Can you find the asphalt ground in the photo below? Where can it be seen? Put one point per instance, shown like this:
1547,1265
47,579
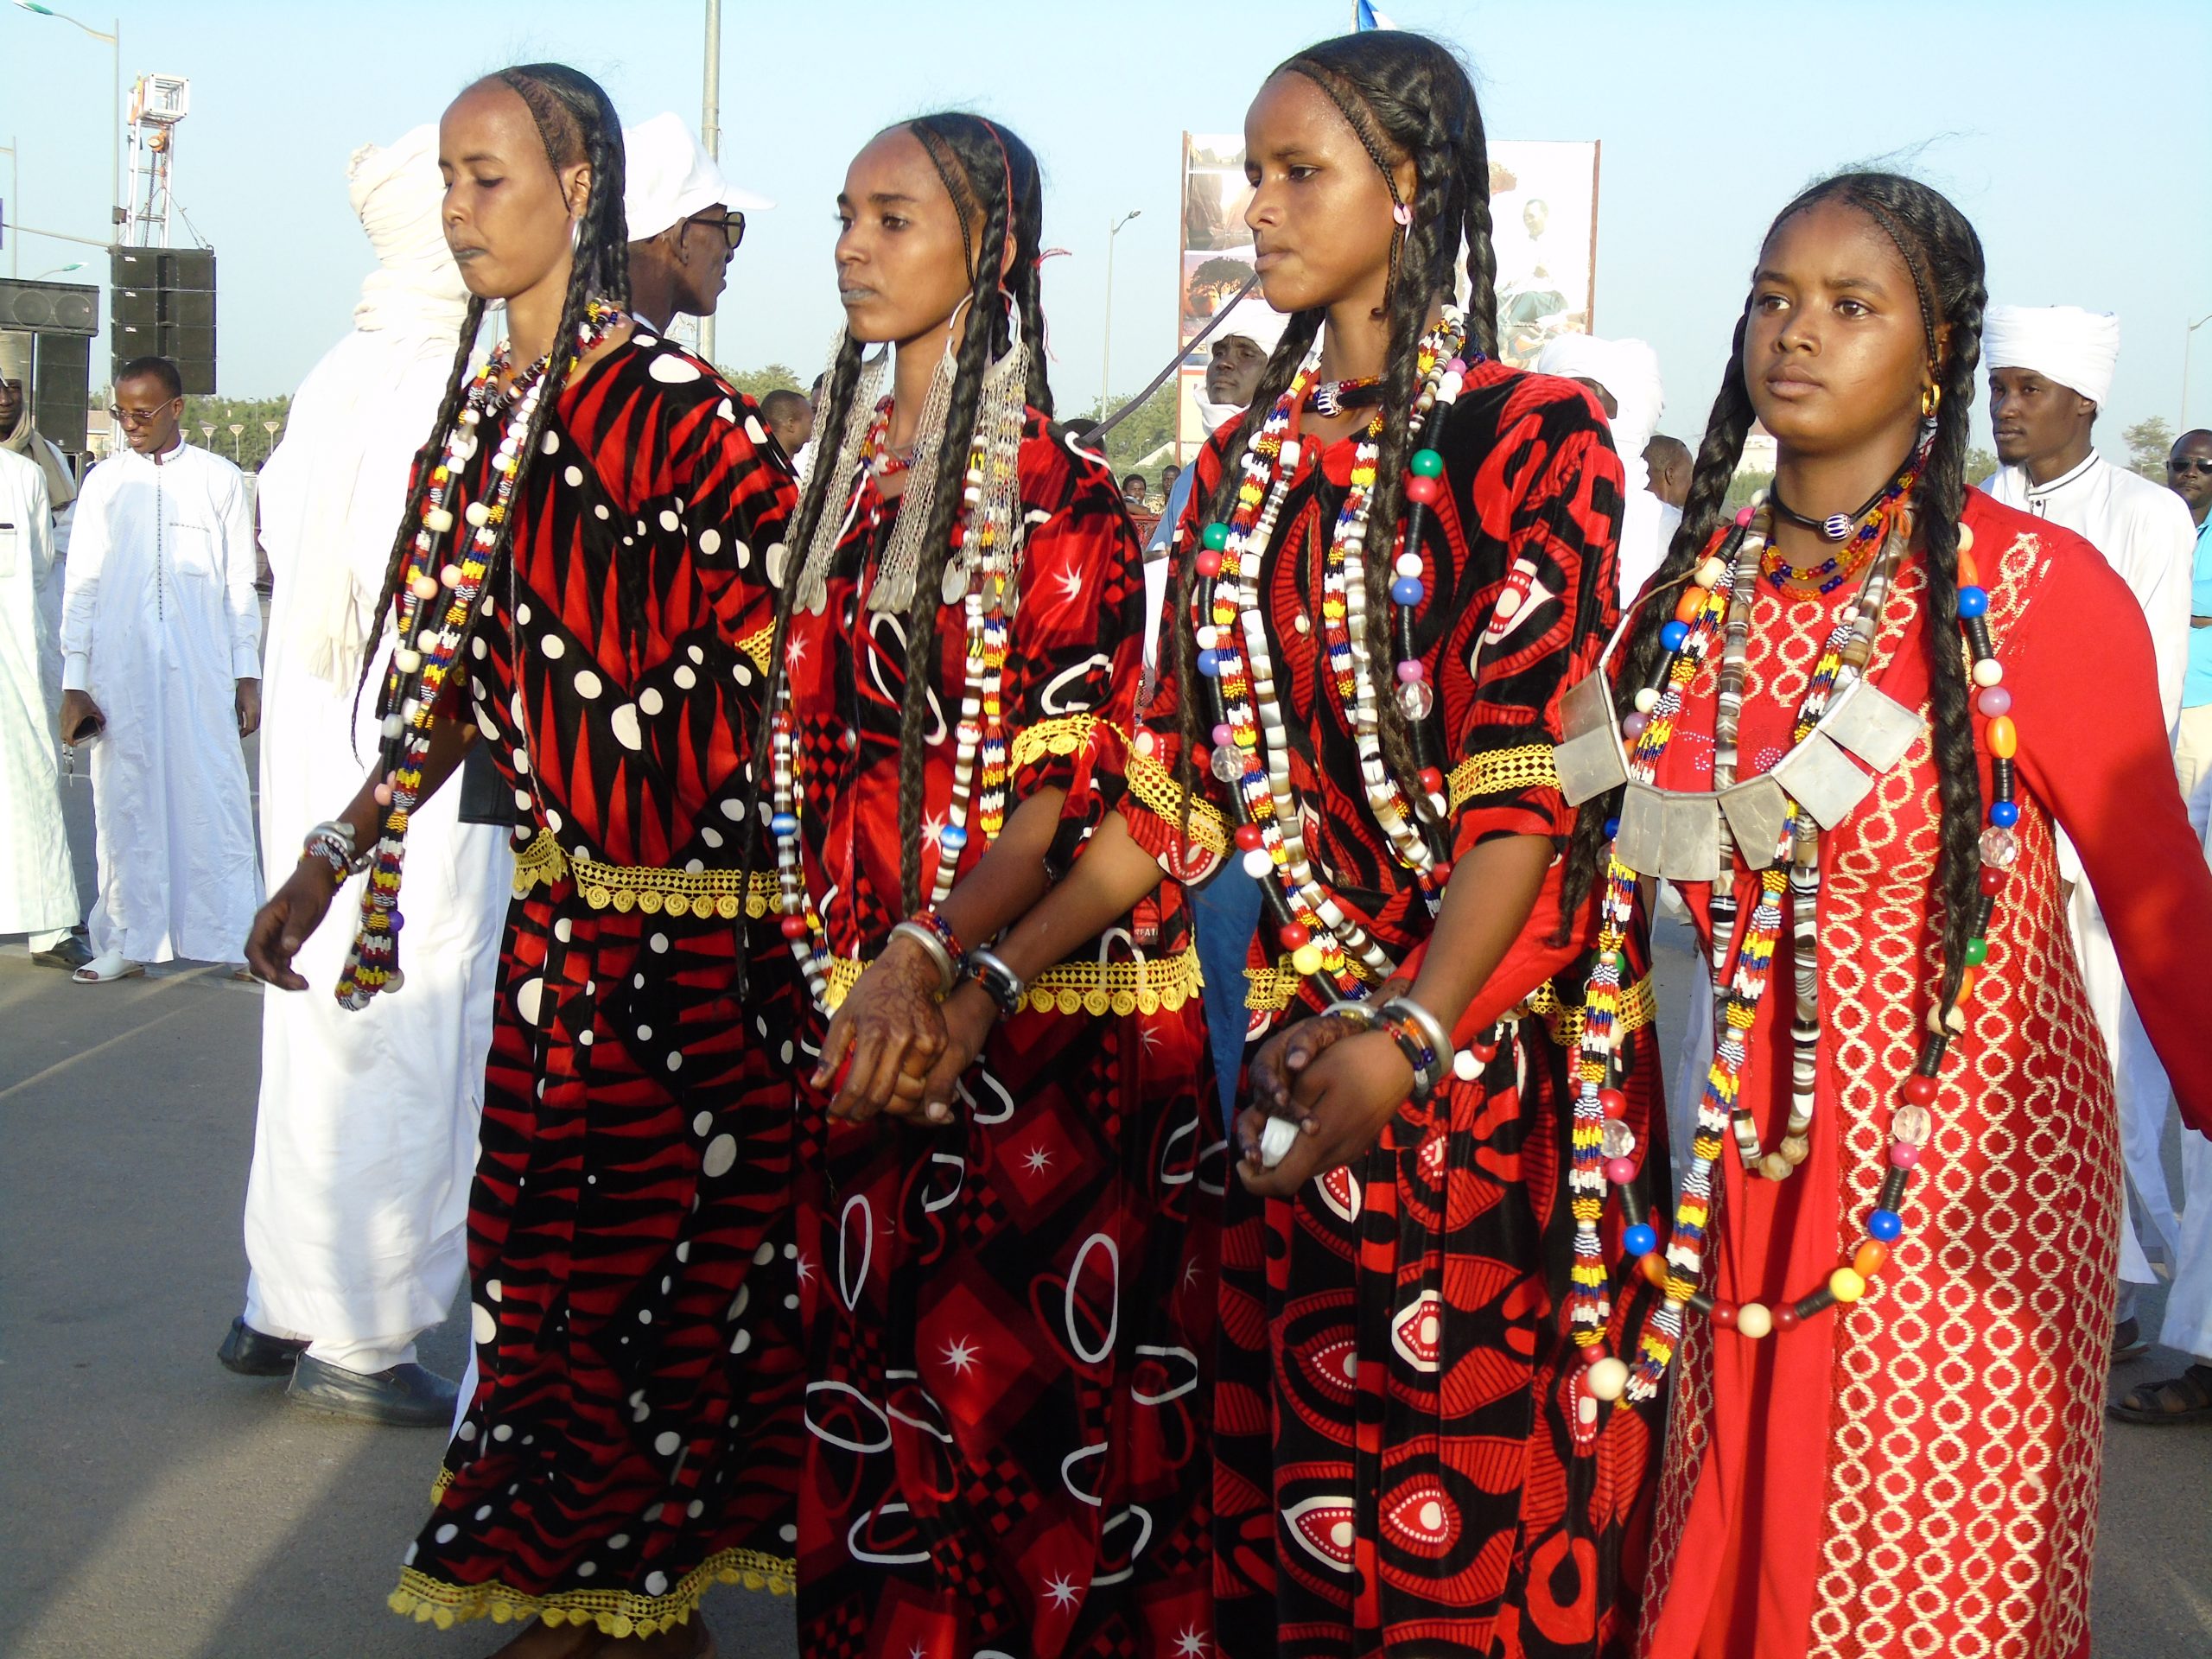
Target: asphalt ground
153,1504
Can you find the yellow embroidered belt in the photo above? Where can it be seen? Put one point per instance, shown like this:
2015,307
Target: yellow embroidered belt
1096,989
1270,990
538,861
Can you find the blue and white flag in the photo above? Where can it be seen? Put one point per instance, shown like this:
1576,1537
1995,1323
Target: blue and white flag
1365,17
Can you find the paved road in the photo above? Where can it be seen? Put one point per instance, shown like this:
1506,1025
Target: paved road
152,1505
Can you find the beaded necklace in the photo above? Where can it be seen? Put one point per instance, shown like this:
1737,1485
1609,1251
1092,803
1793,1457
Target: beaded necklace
437,595
1602,1147
1251,743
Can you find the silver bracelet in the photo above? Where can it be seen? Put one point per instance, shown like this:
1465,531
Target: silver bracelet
1000,984
1362,1016
948,970
331,841
1431,1028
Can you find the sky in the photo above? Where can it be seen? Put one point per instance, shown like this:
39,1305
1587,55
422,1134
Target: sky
2079,140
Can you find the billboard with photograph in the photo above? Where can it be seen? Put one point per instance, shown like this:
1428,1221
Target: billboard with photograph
1543,209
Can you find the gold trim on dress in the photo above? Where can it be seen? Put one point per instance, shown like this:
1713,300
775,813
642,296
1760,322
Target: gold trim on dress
539,861
1155,788
616,1612
1061,735
1095,989
1502,772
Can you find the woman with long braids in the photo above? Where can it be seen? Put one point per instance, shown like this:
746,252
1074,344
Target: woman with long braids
1007,1282
578,586
1850,717
1393,564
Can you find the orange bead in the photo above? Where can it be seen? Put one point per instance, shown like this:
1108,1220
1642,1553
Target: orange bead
1691,602
1868,1259
1966,984
1653,1267
1969,573
2004,738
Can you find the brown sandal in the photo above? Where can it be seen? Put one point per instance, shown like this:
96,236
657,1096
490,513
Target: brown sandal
2184,1399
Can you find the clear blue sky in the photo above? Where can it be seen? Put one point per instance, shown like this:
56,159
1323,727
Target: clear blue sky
2078,138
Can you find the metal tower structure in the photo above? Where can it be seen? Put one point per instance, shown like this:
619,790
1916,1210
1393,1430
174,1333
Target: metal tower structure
158,105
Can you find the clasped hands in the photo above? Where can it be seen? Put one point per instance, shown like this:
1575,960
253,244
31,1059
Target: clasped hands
1340,1085
902,1048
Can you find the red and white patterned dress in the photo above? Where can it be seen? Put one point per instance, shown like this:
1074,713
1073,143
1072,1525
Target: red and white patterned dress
1009,1322
1918,1473
633,1435
1402,1465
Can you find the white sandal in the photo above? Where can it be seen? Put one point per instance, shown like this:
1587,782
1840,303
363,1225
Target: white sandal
110,965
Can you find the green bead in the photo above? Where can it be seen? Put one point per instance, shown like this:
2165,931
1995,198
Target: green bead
1977,952
1216,536
1620,965
1426,463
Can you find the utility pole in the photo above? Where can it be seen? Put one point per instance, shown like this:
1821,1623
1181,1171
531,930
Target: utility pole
1106,350
14,202
710,132
2188,344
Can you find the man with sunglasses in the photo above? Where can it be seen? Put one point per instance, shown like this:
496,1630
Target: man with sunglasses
686,219
161,663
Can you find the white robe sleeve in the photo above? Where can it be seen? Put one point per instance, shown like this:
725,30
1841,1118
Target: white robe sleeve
2167,599
38,533
80,592
240,566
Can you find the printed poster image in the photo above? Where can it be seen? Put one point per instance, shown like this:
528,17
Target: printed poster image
1543,206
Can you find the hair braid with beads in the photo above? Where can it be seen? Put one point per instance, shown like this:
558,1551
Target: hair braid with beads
576,122
1944,258
998,193
1407,97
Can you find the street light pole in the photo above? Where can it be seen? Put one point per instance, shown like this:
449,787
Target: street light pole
14,202
114,39
1106,350
2188,341
710,132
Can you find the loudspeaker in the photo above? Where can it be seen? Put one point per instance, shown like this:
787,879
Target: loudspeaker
135,308
162,303
63,374
49,308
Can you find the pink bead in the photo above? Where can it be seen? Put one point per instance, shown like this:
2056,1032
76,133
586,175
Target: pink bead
1409,673
1455,366
1994,700
1222,734
1633,725
1620,1171
1904,1154
384,794
1420,489
1744,519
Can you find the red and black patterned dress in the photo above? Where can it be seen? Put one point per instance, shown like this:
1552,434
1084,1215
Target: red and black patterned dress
633,1435
1009,1321
1403,1459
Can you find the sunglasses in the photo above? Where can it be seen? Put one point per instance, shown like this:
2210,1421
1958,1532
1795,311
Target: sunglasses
2200,465
136,417
730,228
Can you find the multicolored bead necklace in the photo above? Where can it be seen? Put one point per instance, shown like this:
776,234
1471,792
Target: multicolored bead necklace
437,595
1865,531
1250,748
1602,1147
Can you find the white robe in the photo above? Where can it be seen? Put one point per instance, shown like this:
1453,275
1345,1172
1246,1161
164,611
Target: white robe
2145,533
38,883
357,1208
160,621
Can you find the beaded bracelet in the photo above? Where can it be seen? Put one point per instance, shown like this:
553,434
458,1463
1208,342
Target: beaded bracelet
333,843
1430,1028
1419,1054
1000,984
932,942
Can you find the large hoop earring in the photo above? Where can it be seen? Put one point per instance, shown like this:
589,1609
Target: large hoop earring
1931,399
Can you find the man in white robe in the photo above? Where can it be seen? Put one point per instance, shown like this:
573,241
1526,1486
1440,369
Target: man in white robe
2050,369
38,883
1624,376
161,641
19,433
356,1212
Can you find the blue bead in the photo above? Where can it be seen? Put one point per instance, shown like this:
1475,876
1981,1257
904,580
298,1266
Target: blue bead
1672,634
2004,814
783,823
1407,590
1210,664
1884,1226
1612,828
952,837
1639,1240
1974,601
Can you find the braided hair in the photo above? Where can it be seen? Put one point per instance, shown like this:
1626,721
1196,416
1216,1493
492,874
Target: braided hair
576,122
998,192
1943,256
1408,98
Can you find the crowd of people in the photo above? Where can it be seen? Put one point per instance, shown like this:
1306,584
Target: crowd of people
1059,1068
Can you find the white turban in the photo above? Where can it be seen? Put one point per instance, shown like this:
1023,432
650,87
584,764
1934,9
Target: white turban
1627,368
669,176
1257,321
398,193
2063,343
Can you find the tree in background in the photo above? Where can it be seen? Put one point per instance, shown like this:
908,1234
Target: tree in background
2148,444
1149,427
249,446
757,383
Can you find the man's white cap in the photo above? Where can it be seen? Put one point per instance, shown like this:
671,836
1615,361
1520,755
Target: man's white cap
669,176
2065,343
